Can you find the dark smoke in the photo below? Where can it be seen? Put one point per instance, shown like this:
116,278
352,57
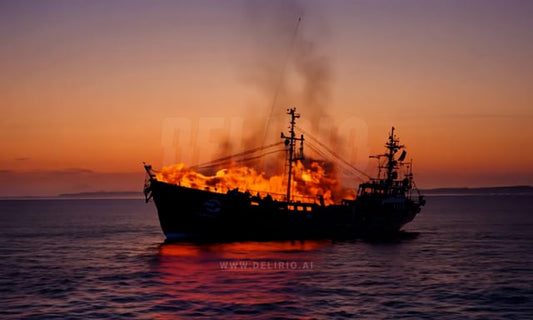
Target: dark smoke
289,68
315,70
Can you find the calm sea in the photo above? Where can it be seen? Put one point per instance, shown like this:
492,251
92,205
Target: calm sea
467,257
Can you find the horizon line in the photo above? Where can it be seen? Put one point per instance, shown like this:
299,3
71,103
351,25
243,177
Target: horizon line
130,194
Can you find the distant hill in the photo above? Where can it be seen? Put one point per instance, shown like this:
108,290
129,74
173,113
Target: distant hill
480,191
103,195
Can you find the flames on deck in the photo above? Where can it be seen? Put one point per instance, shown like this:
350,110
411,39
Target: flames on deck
310,182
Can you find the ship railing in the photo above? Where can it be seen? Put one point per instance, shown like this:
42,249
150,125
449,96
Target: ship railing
261,195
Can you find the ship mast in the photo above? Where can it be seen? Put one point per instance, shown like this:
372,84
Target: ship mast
290,142
393,147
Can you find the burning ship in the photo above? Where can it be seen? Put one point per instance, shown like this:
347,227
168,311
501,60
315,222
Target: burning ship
193,206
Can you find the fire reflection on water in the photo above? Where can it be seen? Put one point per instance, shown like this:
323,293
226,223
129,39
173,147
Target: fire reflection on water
249,274
235,249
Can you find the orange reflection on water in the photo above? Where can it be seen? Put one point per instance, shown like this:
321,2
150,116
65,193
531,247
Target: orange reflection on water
252,249
282,246
178,250
196,272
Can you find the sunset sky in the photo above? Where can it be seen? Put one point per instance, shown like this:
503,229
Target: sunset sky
91,89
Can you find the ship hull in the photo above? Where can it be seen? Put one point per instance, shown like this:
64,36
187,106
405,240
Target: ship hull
192,214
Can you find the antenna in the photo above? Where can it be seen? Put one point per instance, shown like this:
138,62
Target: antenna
290,143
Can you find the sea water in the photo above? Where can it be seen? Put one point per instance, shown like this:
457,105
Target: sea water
464,257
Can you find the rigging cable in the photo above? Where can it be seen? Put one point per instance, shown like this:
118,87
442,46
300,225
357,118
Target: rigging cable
240,160
231,158
236,155
323,155
333,153
280,79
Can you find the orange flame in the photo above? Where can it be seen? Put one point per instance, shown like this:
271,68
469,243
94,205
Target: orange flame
309,183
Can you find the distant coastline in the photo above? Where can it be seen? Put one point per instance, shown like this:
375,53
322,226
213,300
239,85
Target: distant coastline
82,195
463,191
506,190
103,195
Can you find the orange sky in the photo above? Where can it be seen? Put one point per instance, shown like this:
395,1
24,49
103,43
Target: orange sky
94,88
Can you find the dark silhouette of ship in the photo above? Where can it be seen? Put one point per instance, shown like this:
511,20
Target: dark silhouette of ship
383,205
